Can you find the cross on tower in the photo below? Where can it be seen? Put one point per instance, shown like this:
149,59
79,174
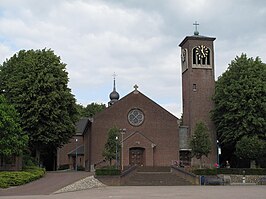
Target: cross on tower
136,87
196,32
114,75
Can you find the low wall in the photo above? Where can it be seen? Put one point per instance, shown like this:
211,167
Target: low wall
194,179
248,178
109,180
117,180
126,174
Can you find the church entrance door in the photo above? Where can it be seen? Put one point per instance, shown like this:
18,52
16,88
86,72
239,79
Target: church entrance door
136,156
185,158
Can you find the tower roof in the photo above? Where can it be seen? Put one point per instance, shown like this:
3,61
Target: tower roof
196,37
114,96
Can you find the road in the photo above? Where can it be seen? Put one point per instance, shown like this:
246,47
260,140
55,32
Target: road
159,192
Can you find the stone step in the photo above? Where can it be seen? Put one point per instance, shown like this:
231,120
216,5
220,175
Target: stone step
153,169
155,179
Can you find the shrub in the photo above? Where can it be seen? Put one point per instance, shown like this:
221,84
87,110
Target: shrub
28,160
205,172
234,171
107,171
15,178
81,168
63,167
239,171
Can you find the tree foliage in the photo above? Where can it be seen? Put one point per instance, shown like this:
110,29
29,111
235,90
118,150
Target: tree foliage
250,148
109,151
240,101
35,82
90,110
12,139
200,143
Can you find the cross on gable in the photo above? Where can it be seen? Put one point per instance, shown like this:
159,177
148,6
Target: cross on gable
136,87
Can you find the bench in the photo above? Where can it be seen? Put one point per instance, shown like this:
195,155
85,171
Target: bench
213,180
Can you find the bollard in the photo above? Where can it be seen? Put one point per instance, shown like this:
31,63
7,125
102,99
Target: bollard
244,177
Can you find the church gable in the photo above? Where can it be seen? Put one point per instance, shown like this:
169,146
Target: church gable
149,127
137,100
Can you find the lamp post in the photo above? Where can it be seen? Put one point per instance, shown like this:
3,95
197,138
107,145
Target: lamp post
116,158
76,154
122,131
218,153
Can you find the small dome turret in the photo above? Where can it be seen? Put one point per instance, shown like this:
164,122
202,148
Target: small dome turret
114,96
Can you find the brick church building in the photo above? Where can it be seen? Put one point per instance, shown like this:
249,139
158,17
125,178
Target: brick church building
150,135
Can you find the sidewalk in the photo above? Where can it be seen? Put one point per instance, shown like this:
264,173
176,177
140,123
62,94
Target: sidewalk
51,182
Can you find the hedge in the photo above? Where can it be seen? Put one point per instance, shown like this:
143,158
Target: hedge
107,171
15,178
63,167
234,171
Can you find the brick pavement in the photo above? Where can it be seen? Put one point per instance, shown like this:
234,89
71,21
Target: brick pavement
51,182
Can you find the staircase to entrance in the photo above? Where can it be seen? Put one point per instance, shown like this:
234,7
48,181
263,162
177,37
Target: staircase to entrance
154,176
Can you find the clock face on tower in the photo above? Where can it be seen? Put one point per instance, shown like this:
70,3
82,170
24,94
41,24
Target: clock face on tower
184,59
183,55
201,51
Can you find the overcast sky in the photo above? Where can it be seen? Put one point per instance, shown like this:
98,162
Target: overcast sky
136,39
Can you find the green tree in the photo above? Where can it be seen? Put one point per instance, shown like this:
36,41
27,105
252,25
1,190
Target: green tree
12,139
250,148
200,143
90,110
109,152
35,82
240,102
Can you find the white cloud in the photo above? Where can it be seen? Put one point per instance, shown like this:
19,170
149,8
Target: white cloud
5,51
136,39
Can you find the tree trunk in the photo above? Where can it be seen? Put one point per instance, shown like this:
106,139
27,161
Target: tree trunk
253,164
37,156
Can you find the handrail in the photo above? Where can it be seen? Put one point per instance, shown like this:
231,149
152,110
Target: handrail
183,171
99,162
191,177
128,170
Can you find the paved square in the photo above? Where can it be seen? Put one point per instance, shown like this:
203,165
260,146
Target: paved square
164,192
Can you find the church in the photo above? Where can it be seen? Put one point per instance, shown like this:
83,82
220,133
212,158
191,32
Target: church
149,134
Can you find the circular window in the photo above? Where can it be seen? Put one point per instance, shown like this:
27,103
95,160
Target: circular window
135,117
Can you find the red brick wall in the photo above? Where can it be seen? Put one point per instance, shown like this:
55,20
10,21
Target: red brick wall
198,104
62,153
160,127
14,164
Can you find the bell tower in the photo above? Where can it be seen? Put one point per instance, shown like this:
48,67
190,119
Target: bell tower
198,84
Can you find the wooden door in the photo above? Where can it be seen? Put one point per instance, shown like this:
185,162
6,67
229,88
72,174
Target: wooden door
136,156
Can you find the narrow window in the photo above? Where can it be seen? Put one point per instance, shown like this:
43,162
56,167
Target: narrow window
194,56
208,57
194,87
